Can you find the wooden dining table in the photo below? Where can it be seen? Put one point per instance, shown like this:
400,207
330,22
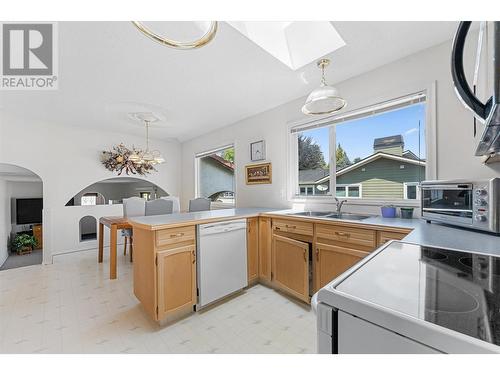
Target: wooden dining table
114,223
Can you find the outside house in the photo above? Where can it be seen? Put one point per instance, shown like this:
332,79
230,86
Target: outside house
216,178
390,172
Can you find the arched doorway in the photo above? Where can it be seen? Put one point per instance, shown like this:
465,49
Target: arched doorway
21,217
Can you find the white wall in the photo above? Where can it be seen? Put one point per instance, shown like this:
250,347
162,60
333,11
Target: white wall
67,159
454,142
4,221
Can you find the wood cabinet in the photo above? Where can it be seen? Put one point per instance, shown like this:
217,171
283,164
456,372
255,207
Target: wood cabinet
265,245
331,261
352,237
293,227
176,272
38,234
165,271
175,236
384,236
253,249
291,266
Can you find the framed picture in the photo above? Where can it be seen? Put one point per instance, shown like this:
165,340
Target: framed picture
258,150
258,174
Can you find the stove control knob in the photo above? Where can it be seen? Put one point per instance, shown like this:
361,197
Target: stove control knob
480,217
481,202
481,192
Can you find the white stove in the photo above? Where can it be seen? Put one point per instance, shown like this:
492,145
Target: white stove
406,298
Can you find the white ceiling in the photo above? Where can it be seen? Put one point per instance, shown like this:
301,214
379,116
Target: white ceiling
107,69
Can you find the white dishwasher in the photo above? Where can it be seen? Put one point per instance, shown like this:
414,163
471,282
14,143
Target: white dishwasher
221,260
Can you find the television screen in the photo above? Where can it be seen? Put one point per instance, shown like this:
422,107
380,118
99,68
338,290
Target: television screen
29,210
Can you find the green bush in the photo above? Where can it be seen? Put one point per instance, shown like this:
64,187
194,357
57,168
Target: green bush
23,240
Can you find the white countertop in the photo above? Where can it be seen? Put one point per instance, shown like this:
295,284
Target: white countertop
186,218
425,234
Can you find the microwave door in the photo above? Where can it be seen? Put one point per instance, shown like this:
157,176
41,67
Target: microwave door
448,203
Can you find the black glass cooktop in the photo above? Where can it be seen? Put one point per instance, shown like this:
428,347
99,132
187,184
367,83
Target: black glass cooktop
454,289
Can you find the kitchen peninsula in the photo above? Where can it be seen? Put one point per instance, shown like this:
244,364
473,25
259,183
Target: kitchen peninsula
287,251
295,254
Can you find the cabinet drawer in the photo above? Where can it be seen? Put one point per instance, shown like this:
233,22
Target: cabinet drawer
384,236
175,235
290,226
347,235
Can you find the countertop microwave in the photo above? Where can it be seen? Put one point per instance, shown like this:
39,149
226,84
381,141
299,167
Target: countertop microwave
466,203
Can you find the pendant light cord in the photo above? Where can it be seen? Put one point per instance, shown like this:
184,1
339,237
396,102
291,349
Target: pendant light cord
147,135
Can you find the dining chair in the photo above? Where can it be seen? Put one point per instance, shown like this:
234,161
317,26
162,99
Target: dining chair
159,207
199,204
133,206
176,203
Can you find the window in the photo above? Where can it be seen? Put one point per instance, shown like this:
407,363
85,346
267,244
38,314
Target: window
215,178
145,195
411,190
307,190
351,191
375,153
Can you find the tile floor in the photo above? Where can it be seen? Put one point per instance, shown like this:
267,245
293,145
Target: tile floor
16,261
71,306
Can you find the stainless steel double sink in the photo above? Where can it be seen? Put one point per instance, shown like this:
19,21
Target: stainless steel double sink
330,215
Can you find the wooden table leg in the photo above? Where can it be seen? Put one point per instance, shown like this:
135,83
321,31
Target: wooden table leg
101,242
112,253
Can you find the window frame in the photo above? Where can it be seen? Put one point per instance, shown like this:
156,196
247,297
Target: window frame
346,186
197,158
366,106
405,190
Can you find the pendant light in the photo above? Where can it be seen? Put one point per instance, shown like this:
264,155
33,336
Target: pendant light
325,99
147,156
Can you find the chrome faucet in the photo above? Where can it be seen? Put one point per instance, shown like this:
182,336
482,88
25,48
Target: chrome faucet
339,203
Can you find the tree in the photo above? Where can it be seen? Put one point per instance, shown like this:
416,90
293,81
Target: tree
310,154
341,158
228,154
356,160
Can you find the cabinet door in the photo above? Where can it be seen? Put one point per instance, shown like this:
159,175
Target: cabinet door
253,249
291,266
265,245
331,261
384,236
38,234
176,270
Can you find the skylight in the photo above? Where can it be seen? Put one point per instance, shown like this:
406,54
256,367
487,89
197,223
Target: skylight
295,44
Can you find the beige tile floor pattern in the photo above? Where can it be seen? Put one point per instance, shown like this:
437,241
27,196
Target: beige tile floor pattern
71,306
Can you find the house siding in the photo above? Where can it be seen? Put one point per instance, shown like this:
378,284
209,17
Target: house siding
383,178
395,150
214,178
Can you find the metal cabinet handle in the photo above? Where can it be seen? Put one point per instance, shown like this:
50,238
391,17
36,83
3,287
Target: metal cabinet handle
177,235
291,226
342,234
194,256
305,258
317,254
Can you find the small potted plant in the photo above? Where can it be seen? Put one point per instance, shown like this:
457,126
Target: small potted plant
24,243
